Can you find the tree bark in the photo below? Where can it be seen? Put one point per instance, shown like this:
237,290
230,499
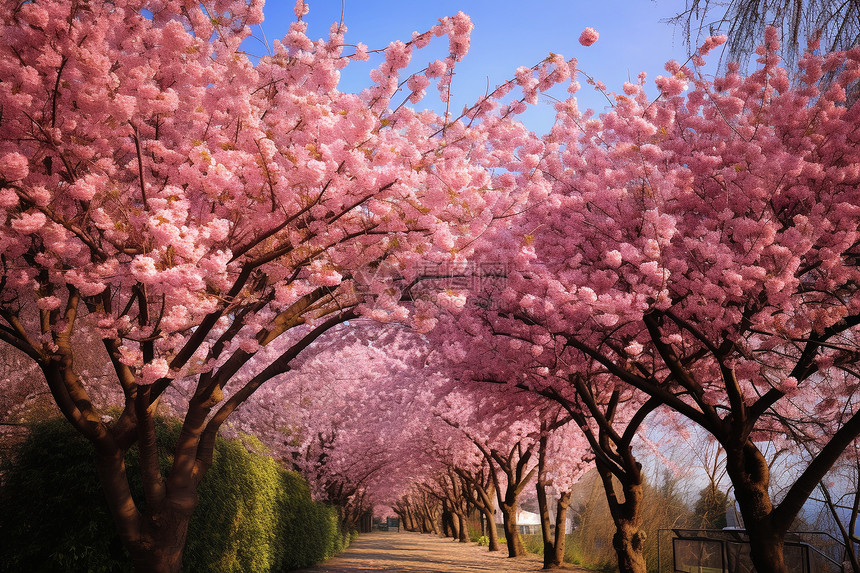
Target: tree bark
492,531
410,519
512,531
552,557
560,533
476,487
156,539
517,479
629,539
543,511
464,529
750,476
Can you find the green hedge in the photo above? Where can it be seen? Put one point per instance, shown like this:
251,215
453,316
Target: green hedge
253,515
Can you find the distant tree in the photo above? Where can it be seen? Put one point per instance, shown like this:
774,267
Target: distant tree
835,22
710,509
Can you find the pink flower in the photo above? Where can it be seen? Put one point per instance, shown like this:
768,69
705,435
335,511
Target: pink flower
323,275
633,349
85,188
143,269
613,259
397,55
424,324
130,356
35,15
436,68
788,386
249,345
712,42
300,9
13,166
48,303
8,198
588,36
360,52
672,85
450,300
29,223
151,372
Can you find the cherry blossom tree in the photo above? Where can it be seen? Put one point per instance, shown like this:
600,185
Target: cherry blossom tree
349,415
836,23
701,247
478,490
188,208
561,463
506,430
503,348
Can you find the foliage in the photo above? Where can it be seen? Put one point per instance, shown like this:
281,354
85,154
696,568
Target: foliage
41,520
710,510
253,515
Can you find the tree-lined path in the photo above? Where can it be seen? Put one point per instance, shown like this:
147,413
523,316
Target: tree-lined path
419,553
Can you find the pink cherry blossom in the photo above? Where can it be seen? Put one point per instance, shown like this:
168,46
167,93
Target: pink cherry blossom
13,166
588,36
28,223
154,370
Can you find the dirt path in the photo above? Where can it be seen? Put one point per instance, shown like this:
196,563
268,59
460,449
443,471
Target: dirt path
418,553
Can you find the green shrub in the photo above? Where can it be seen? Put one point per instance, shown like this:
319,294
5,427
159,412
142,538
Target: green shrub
52,513
533,542
253,516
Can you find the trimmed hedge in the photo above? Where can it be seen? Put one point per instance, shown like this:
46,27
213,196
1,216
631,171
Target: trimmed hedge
253,515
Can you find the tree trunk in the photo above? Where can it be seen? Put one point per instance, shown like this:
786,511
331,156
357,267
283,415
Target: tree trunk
155,539
629,539
483,501
629,542
464,529
512,532
451,521
430,521
543,511
558,547
163,542
446,521
492,530
750,476
410,520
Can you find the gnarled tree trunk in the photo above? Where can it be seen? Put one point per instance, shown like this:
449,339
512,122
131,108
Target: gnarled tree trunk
629,539
750,476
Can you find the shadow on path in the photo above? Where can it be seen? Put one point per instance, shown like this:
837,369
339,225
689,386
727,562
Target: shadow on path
421,553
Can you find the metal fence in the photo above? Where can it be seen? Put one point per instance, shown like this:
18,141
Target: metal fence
728,551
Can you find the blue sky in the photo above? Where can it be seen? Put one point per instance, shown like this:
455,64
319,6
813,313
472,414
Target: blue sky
634,37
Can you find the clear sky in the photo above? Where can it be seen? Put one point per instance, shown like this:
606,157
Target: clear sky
634,37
